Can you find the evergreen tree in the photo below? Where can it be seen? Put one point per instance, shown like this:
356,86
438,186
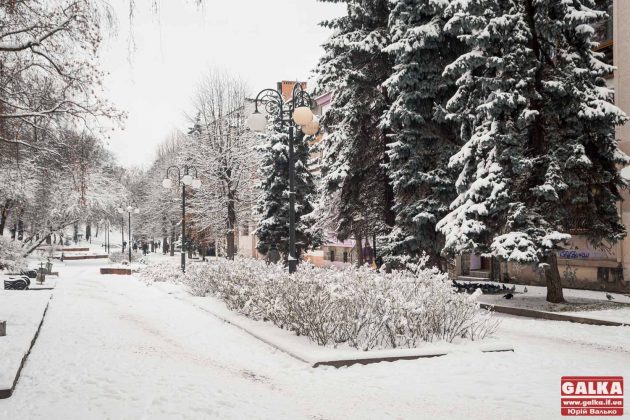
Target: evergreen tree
541,155
422,140
354,68
273,205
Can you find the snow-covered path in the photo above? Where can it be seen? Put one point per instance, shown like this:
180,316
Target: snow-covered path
112,347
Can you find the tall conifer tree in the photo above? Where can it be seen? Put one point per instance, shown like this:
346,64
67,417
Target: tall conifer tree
422,140
273,205
354,68
541,155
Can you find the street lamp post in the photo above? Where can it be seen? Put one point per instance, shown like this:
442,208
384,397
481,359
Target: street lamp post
186,179
129,210
293,113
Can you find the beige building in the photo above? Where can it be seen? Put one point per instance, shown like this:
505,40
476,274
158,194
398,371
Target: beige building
582,266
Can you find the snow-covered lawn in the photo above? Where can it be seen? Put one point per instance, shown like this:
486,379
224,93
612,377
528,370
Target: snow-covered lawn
586,303
113,347
22,310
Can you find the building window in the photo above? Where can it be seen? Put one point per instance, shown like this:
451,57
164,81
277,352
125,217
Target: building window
345,257
331,254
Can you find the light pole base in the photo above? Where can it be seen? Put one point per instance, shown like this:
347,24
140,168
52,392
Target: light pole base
292,266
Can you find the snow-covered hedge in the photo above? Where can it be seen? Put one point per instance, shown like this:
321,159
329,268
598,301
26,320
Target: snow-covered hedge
359,307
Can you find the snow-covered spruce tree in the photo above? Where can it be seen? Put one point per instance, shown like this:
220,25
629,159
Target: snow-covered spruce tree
273,204
353,68
423,141
541,155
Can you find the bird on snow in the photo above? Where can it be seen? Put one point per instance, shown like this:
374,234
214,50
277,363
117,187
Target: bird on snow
609,296
513,289
508,296
525,289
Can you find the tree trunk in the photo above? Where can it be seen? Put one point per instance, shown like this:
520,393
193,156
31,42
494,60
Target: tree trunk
164,246
4,213
88,231
359,245
20,227
172,253
231,222
554,282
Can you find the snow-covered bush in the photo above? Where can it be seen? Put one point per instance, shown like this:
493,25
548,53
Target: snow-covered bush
11,255
161,272
359,307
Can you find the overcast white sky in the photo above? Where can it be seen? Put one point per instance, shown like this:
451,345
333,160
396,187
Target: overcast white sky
263,41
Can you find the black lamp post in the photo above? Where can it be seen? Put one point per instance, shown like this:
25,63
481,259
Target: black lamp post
296,112
129,210
186,179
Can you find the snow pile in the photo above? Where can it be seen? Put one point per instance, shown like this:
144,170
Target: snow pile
359,307
11,255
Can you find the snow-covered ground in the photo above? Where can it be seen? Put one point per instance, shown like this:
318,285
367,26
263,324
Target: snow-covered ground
23,313
113,347
586,303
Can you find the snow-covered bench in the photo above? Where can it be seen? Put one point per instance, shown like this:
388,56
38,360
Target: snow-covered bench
16,283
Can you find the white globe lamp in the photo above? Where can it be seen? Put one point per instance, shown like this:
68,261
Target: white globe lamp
302,115
310,129
187,179
167,183
257,122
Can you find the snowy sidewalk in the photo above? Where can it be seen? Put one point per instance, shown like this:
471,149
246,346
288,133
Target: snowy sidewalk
112,347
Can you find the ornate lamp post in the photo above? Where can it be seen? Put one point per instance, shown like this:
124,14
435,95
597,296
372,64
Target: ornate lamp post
186,179
129,210
291,114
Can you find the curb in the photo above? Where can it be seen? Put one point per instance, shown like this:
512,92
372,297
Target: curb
367,361
6,393
531,313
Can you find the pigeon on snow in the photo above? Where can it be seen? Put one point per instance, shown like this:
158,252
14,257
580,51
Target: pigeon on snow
609,296
508,296
525,289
